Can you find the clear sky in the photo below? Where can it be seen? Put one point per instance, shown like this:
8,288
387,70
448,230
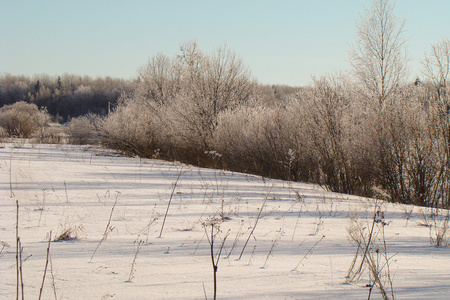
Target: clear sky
282,42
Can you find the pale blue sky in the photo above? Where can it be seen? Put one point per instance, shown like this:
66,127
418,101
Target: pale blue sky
282,42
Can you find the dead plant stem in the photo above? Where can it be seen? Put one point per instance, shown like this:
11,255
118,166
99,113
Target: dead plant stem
256,223
168,204
46,265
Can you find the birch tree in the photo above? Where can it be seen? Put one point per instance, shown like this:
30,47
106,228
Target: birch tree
378,58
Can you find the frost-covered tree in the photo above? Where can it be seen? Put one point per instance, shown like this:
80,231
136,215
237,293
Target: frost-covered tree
436,67
379,66
329,107
209,85
378,56
187,93
158,80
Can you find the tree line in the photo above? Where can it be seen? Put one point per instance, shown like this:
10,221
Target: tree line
64,96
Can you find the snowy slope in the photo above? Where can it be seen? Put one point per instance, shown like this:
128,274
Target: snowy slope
299,249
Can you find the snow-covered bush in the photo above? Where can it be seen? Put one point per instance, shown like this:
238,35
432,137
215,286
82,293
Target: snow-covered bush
326,112
23,119
84,130
177,101
129,129
407,150
262,140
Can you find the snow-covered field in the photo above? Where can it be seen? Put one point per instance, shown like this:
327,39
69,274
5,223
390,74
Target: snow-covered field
299,248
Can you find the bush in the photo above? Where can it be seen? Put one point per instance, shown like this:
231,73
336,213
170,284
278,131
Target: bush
22,119
53,134
129,129
260,140
83,130
176,103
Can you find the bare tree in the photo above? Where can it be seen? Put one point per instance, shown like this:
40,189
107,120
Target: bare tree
210,84
379,66
158,80
176,103
188,92
437,69
378,57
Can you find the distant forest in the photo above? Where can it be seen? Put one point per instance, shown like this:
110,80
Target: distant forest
69,96
64,96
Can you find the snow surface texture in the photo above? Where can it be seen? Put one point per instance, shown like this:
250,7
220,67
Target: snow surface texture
300,248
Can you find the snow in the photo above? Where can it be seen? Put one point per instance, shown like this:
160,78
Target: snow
60,187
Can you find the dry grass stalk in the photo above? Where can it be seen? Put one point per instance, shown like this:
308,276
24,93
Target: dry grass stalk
371,254
275,240
310,251
108,228
46,265
256,222
138,242
69,234
168,204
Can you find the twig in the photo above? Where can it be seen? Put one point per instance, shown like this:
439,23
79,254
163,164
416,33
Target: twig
235,239
368,244
65,189
274,243
11,193
20,268
251,256
373,248
168,204
204,291
256,223
214,260
41,209
17,252
53,278
46,265
299,198
308,253
149,225
133,264
112,210
108,228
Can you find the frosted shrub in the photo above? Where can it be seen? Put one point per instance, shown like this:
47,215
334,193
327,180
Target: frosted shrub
425,157
205,85
326,113
22,119
129,129
407,151
177,101
256,139
3,136
83,130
